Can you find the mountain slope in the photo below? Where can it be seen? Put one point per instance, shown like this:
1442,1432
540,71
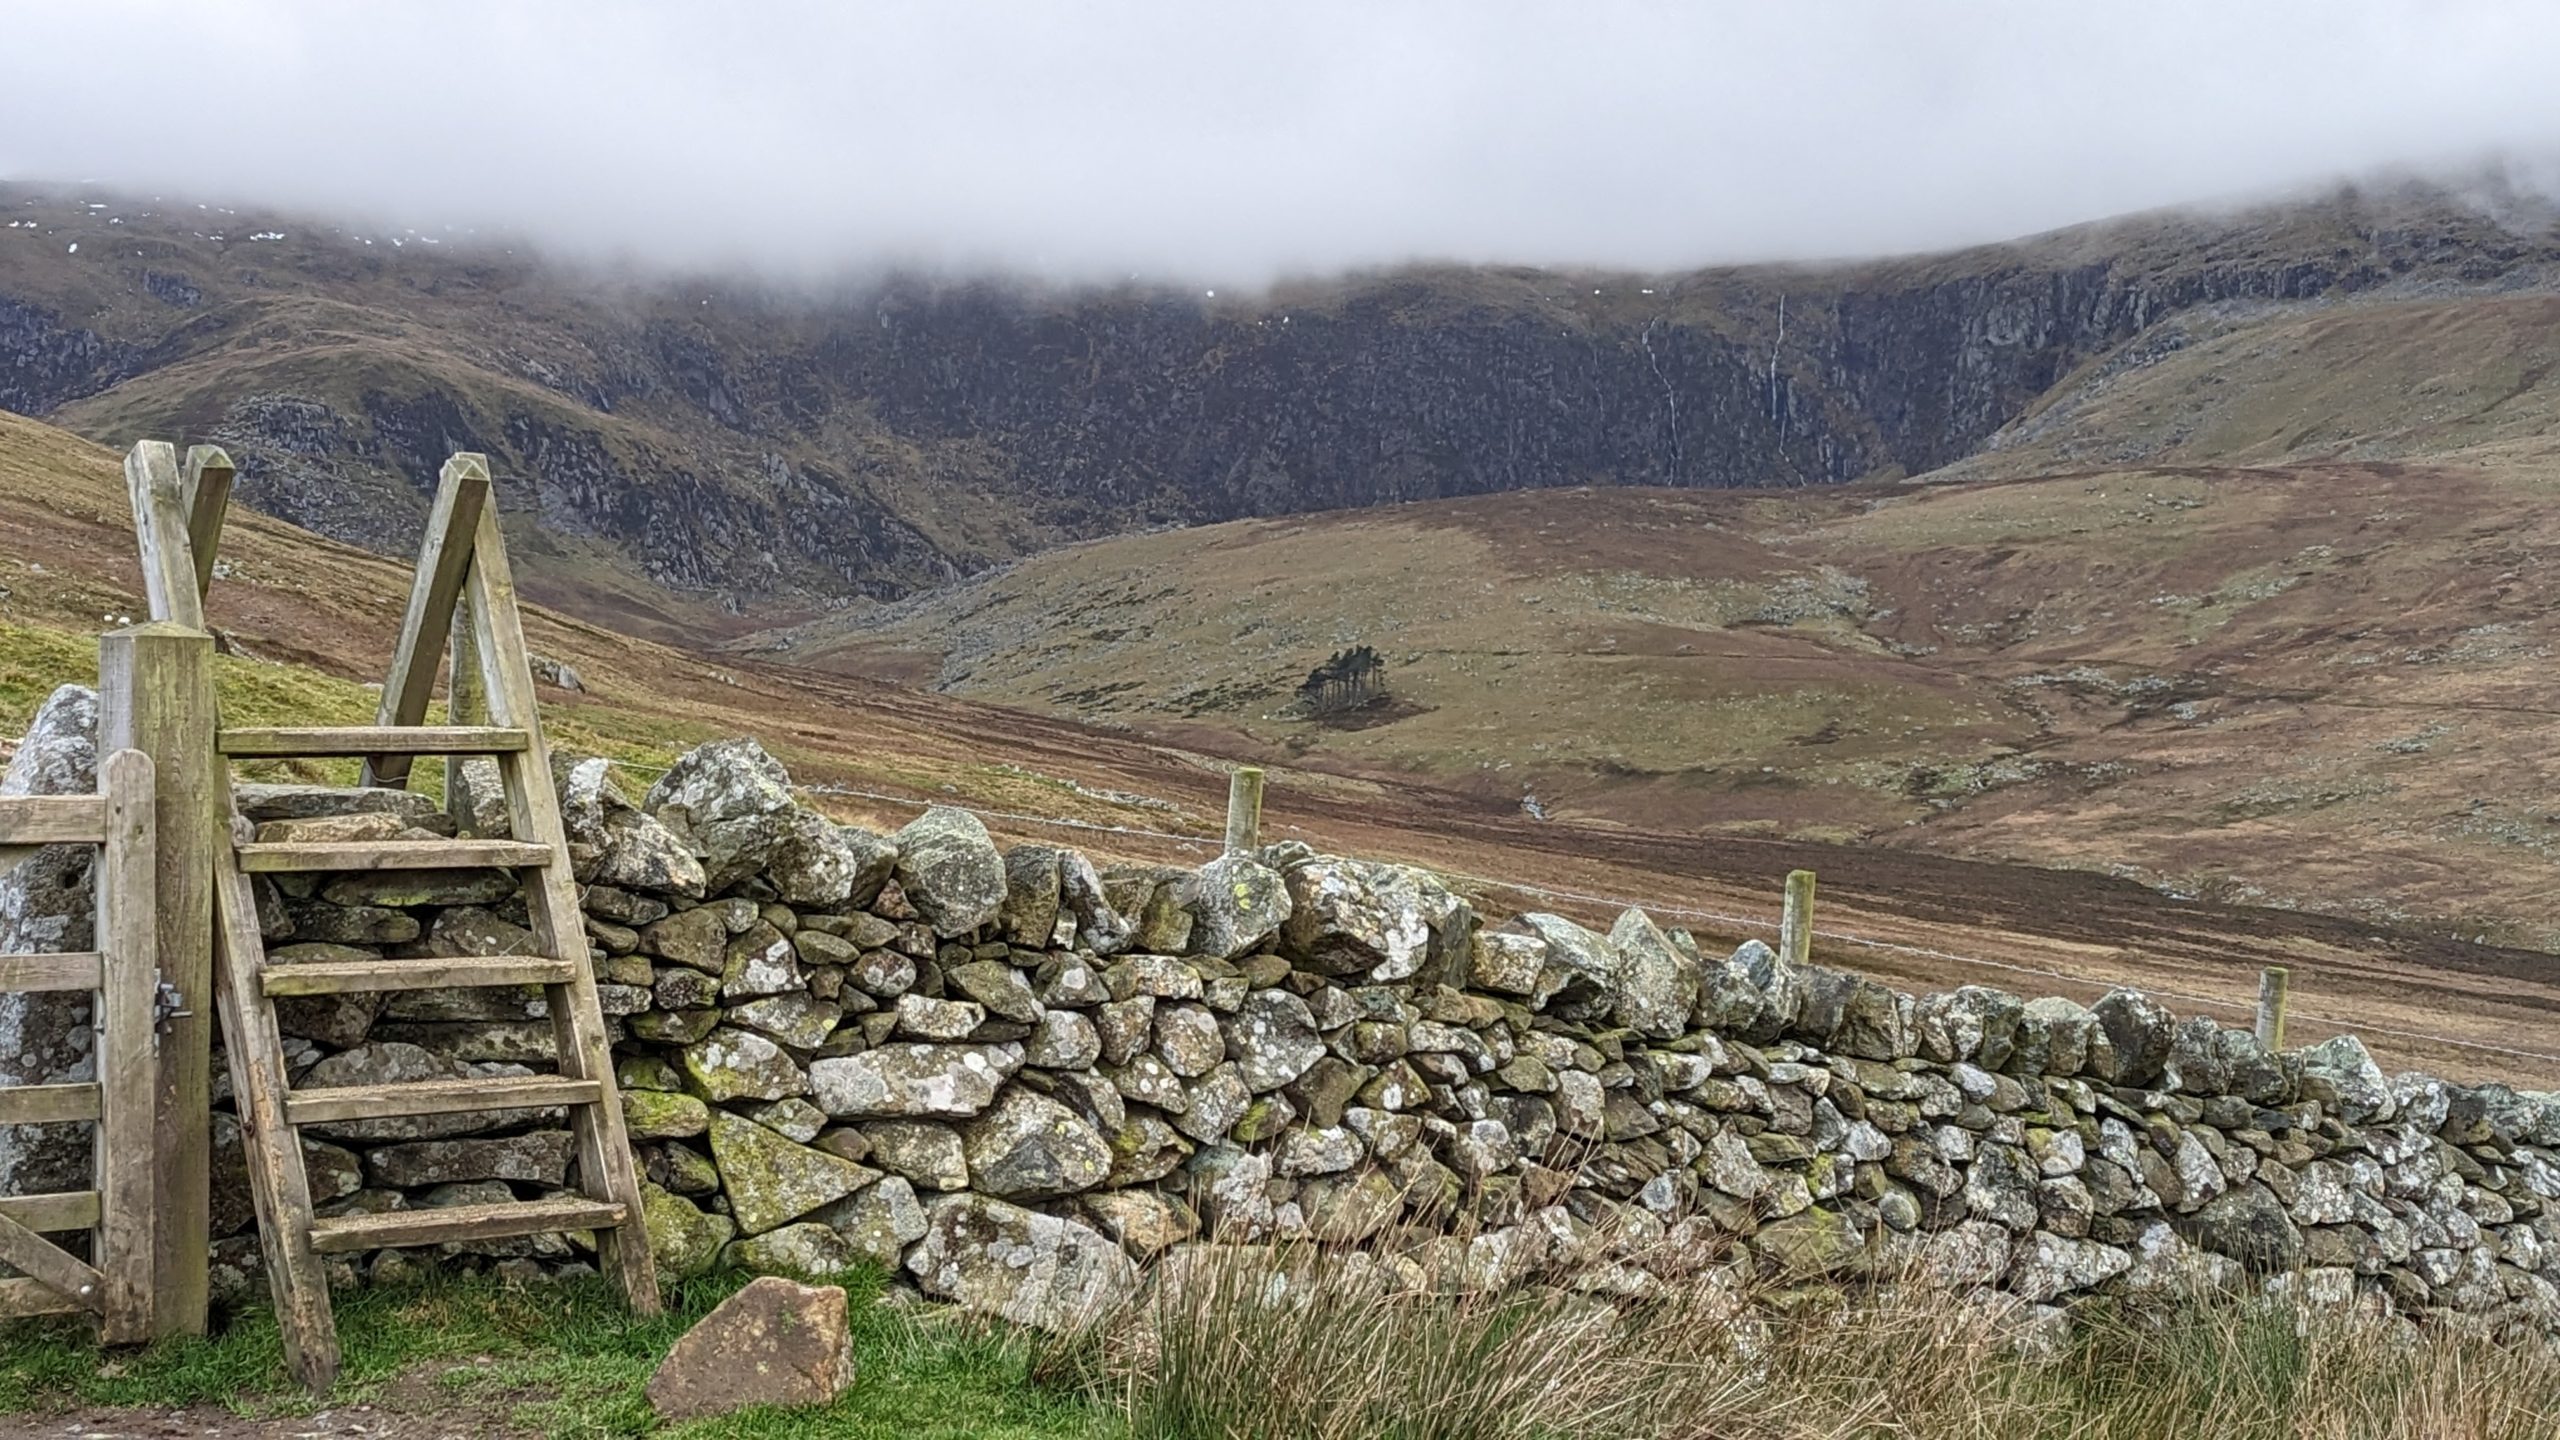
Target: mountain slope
306,621
690,448
2326,685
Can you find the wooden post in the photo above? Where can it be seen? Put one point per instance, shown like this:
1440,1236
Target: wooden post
127,1052
466,702
2274,983
1244,810
462,492
205,494
1795,928
156,692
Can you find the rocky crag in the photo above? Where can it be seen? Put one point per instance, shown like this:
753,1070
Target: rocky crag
1017,1078
761,447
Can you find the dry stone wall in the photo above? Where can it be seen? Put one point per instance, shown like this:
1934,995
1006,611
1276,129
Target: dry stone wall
1015,1077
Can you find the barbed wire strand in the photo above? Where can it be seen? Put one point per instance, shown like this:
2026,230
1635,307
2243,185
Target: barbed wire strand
1744,922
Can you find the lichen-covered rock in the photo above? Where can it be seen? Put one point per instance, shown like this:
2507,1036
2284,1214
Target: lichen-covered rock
2338,1071
1237,904
814,861
1029,915
771,1181
1030,1147
926,1152
2248,1225
801,1021
1018,1265
48,904
731,1064
1063,1040
759,961
1100,927
658,1115
2138,1030
878,1221
997,986
1590,965
913,1080
540,1157
722,780
1655,986
950,870
683,1239
1355,917
809,1249
625,846
2047,1267
1272,1039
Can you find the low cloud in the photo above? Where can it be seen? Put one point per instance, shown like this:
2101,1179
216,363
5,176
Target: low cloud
1230,143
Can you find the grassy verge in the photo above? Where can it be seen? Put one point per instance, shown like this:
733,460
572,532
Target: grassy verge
562,1361
1278,1346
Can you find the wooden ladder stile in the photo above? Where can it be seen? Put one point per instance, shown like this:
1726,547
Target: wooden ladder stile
113,1283
462,564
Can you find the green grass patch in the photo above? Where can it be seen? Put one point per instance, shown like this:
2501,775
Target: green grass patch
561,1360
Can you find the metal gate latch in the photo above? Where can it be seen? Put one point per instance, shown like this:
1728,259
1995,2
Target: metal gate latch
167,1005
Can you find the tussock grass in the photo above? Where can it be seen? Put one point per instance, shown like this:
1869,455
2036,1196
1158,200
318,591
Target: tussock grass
1291,1344
1279,1345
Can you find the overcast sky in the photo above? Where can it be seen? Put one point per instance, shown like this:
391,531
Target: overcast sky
1230,141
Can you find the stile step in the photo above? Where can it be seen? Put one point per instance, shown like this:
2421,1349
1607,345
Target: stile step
275,855
48,1104
312,741
65,970
349,977
437,1097
397,1228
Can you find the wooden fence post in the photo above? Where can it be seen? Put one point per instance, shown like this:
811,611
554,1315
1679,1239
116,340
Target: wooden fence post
1244,810
2274,983
1795,928
155,686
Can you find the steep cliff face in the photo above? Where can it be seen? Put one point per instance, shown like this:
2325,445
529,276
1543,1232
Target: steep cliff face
756,448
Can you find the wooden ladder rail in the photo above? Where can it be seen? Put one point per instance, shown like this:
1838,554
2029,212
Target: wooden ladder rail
115,1283
463,585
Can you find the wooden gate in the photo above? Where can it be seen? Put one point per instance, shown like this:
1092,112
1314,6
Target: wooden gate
114,1283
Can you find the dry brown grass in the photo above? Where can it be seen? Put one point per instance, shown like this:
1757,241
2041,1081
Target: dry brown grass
1285,1345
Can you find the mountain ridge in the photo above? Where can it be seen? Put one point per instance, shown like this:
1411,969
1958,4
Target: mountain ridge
701,461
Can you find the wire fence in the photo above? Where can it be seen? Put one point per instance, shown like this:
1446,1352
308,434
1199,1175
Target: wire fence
1657,907
1664,907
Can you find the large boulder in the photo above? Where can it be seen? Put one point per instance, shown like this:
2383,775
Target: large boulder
48,904
774,1343
815,862
1355,917
1030,1147
951,872
1238,902
998,1259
